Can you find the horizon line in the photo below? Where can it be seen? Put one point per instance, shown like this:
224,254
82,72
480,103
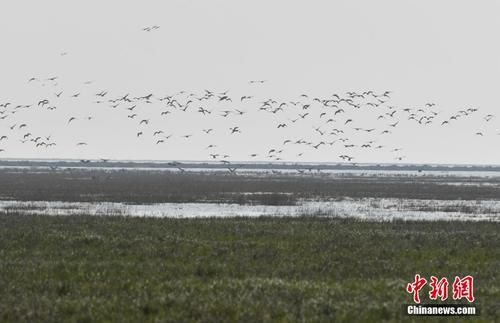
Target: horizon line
200,161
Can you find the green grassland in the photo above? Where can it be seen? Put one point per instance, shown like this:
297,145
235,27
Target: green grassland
308,269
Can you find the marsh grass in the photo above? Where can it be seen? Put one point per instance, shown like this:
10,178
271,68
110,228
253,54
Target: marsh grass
96,185
308,269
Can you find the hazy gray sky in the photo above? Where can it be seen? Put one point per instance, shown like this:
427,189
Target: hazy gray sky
444,52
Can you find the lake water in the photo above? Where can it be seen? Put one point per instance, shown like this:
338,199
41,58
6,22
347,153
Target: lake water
365,209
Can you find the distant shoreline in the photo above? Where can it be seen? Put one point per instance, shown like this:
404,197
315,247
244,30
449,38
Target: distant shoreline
248,165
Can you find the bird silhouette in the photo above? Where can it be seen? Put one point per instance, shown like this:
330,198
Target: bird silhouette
235,130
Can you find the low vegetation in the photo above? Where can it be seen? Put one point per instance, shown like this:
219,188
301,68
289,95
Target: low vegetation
308,269
140,186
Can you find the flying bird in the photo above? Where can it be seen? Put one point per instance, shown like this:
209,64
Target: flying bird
235,130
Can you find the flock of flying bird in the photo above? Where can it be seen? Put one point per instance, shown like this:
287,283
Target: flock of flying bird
307,123
331,122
